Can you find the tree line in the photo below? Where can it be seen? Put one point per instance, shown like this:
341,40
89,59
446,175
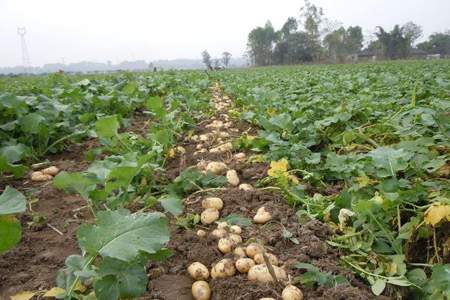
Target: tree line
313,38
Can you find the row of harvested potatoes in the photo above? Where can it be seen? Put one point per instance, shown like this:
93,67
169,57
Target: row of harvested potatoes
252,260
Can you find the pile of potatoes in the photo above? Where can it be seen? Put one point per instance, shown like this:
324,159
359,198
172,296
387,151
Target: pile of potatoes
44,174
246,260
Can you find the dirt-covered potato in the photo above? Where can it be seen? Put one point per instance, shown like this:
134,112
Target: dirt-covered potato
239,252
235,229
239,156
291,292
232,177
219,233
261,274
223,269
203,137
212,202
222,225
209,216
236,238
50,171
245,187
259,259
201,233
225,245
198,271
262,216
243,265
199,146
181,150
217,168
253,249
39,176
201,290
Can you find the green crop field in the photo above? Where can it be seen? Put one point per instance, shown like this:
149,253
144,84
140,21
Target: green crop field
351,159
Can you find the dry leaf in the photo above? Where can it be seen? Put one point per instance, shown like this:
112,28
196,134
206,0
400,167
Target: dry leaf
436,213
26,295
278,167
53,292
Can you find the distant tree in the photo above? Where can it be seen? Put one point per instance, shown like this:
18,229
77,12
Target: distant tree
226,57
206,58
312,17
289,27
394,43
354,39
438,43
412,32
343,42
260,44
216,63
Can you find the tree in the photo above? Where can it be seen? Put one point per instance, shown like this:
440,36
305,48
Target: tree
260,44
226,57
312,18
412,32
438,43
354,39
394,44
206,58
216,62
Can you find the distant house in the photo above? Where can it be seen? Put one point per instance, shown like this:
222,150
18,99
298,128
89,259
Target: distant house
416,53
433,56
366,55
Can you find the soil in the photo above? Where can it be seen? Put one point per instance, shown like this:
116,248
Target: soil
42,251
169,279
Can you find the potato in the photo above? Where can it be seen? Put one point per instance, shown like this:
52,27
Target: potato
201,165
232,177
259,259
39,176
199,146
239,252
223,134
181,150
198,271
291,292
203,137
219,233
267,299
245,187
243,265
222,225
262,216
209,216
261,274
201,290
50,171
239,156
201,233
235,229
217,168
223,269
236,238
212,202
225,245
253,249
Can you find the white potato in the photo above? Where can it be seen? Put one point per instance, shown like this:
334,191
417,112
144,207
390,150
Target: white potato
239,252
201,290
262,216
246,187
253,249
261,274
217,168
232,177
219,233
259,259
209,216
212,202
50,171
235,229
223,269
39,176
291,292
198,271
243,265
201,233
225,245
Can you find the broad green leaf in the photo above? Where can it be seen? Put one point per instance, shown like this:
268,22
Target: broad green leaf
131,278
172,204
237,220
107,127
107,288
119,177
75,182
378,287
31,123
417,276
14,153
389,161
10,232
121,235
130,88
156,105
12,201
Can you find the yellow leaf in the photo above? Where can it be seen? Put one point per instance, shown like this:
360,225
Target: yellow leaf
79,287
53,292
364,181
277,167
171,153
377,199
293,179
436,213
26,295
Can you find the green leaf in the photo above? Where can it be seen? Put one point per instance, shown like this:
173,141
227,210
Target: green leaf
12,201
14,153
77,182
156,105
119,177
121,235
172,204
130,88
378,287
389,161
30,123
131,278
10,233
107,288
417,276
107,127
237,220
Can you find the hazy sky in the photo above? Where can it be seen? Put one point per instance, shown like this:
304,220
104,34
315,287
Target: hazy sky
101,30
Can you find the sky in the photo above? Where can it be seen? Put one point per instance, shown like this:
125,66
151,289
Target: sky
100,30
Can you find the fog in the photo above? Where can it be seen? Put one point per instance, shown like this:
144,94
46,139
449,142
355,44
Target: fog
68,31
